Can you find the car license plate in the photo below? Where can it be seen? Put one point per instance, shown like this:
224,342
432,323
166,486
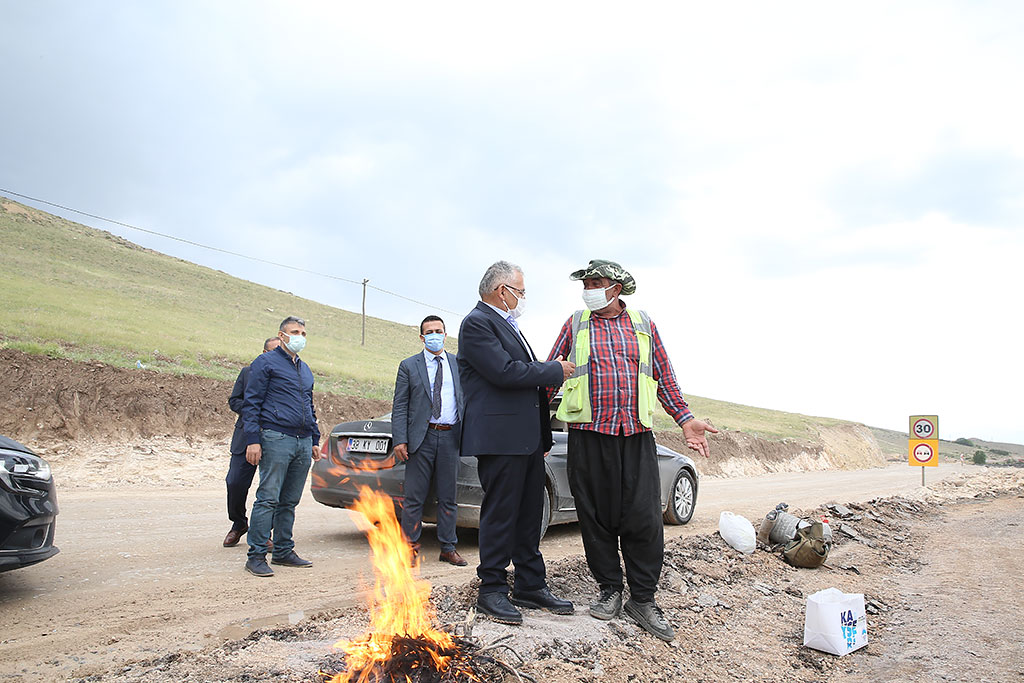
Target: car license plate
365,445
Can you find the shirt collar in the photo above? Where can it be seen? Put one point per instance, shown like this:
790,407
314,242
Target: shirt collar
503,314
430,357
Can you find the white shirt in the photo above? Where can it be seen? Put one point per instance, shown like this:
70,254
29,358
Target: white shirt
449,408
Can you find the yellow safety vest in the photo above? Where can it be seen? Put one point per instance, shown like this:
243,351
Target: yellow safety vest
575,405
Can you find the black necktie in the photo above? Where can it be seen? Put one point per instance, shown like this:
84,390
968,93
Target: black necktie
435,399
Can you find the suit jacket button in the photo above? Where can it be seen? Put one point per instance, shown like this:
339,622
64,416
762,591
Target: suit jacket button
536,405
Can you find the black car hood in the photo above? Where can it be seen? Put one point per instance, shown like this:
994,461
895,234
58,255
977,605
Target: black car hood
12,445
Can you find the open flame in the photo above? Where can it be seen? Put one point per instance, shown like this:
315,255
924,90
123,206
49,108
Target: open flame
400,609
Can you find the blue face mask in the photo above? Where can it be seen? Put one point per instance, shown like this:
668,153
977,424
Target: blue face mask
434,341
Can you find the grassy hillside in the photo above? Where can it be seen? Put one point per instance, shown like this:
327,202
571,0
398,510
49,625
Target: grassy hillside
70,291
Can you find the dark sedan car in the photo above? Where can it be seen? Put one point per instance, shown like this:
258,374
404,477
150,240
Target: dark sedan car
361,454
28,506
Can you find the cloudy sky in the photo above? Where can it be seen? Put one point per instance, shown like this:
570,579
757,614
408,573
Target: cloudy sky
823,204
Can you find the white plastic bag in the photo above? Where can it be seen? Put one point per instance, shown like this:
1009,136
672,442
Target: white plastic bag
835,622
737,531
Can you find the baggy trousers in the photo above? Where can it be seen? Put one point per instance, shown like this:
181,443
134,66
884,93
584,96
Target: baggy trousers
510,521
617,488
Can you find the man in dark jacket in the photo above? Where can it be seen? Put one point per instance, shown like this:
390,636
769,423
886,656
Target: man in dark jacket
281,436
507,426
240,472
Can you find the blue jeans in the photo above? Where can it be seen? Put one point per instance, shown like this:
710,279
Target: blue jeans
283,468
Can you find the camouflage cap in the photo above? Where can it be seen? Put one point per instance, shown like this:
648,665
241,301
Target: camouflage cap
609,269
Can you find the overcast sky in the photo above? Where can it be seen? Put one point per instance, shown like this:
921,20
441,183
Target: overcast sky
822,204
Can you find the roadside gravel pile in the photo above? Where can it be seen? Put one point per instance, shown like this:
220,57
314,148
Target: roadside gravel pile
736,617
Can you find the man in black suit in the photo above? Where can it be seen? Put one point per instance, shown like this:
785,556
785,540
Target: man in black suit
426,428
507,427
240,472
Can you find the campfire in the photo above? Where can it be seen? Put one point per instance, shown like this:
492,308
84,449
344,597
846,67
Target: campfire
402,645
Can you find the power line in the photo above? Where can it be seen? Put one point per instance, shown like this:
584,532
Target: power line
225,251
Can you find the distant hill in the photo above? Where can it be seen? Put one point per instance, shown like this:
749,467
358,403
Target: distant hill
894,447
70,291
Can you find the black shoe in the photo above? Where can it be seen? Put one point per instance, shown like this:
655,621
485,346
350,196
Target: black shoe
650,617
257,566
498,607
291,560
608,604
542,599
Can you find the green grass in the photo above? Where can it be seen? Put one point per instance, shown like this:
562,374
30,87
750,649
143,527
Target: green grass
70,291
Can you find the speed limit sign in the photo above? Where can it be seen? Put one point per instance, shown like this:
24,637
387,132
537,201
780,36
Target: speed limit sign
924,426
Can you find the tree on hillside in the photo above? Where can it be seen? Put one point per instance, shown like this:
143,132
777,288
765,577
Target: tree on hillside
979,457
964,442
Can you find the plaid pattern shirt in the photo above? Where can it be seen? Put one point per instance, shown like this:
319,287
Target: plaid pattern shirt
614,367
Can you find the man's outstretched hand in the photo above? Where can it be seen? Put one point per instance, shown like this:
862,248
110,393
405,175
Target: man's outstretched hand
696,440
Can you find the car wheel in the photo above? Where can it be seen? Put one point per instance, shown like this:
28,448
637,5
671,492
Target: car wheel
681,499
545,515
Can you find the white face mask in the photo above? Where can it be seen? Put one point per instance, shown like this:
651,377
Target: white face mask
520,305
596,299
296,343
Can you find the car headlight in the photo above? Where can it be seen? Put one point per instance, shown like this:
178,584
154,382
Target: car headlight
23,472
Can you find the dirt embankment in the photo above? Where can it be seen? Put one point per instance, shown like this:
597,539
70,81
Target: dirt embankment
51,399
101,425
737,454
81,415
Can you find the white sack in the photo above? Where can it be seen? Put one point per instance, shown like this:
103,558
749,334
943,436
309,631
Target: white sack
738,532
835,622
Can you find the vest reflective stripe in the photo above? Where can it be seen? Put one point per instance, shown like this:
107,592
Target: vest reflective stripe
575,406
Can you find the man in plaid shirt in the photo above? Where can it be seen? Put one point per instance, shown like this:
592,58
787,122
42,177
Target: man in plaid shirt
612,460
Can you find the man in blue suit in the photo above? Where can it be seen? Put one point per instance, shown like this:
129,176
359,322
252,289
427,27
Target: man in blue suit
426,429
507,426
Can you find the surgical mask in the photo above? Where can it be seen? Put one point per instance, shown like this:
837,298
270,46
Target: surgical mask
434,341
520,305
596,299
295,343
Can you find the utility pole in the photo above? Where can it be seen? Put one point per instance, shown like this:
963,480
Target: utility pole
363,342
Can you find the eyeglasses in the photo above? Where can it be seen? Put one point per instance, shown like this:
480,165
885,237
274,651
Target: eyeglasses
520,292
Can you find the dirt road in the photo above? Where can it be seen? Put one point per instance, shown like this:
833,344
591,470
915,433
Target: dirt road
142,572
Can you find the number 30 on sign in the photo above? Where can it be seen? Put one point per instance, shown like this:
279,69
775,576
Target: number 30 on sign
924,426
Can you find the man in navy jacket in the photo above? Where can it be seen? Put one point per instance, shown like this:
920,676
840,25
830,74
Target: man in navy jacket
507,426
282,437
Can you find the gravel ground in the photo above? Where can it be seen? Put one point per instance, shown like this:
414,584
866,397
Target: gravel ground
918,559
